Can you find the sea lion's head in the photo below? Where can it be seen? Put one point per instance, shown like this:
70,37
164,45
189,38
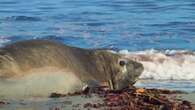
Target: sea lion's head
128,73
121,71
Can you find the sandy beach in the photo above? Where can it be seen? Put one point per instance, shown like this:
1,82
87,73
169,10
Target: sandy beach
152,99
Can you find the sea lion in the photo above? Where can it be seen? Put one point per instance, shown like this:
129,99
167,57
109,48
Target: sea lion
40,67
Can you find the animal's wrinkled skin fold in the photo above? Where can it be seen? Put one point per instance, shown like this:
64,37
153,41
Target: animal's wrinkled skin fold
75,67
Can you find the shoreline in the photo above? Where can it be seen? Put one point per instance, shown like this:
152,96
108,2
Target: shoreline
131,98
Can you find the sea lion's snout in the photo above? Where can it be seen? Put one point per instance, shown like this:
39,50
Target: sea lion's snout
130,71
134,73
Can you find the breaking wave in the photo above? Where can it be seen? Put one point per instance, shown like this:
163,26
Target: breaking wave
164,65
3,40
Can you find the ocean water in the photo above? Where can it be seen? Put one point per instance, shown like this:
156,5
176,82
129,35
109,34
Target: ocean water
158,33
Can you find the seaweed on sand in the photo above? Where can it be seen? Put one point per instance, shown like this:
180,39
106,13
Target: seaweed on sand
134,99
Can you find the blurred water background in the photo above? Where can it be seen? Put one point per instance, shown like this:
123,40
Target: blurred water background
121,24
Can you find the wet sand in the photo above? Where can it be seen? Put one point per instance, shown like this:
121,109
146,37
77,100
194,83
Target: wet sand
189,97
136,98
64,103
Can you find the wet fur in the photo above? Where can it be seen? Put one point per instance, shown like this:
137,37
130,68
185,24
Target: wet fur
63,68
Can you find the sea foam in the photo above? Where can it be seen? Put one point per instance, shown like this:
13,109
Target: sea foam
3,40
164,65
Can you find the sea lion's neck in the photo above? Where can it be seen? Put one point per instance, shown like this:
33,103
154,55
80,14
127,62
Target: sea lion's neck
103,73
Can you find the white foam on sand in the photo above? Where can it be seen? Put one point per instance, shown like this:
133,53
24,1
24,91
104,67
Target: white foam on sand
164,65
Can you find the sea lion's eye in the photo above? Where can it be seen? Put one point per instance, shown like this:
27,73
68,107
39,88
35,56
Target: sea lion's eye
122,63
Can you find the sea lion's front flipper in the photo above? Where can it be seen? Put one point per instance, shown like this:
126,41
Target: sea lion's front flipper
94,85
